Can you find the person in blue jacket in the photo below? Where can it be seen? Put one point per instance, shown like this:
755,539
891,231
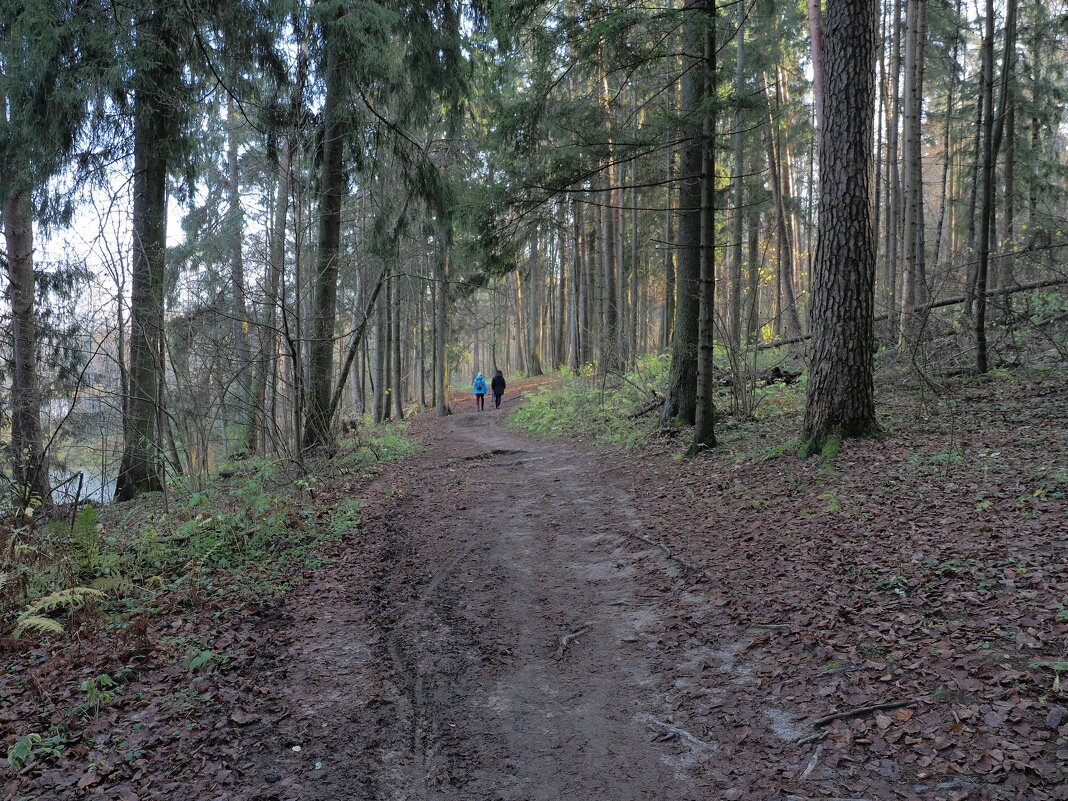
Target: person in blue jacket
479,386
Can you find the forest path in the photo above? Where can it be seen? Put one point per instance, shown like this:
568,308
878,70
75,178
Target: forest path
489,640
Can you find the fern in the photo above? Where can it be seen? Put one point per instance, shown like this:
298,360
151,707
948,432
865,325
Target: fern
114,583
72,598
39,624
33,617
85,541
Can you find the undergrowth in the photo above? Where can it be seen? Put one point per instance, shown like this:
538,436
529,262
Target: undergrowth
615,408
245,534
599,407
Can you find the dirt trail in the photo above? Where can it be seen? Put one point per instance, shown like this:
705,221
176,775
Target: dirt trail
489,641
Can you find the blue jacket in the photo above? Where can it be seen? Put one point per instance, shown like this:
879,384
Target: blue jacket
479,385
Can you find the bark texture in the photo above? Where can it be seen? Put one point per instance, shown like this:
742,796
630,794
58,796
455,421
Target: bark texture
704,435
681,398
840,400
318,429
139,470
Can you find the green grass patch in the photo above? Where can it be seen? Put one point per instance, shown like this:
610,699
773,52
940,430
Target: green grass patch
598,407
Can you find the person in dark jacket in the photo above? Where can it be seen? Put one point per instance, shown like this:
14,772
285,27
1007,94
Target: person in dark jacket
497,385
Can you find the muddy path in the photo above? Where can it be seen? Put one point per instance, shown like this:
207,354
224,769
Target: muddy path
486,639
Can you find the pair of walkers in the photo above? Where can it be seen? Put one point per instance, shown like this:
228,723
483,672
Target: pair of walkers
479,387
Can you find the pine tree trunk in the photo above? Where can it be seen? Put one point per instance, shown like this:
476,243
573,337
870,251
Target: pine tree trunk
704,435
441,322
947,149
893,186
139,471
532,316
380,406
840,395
239,312
29,463
577,318
913,294
268,356
318,429
635,263
560,357
396,366
788,306
681,397
752,325
610,356
987,207
667,324
1002,119
735,316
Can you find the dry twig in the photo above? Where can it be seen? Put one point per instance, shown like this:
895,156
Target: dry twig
567,639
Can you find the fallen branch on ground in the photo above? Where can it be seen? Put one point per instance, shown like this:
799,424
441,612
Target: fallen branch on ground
677,731
672,556
655,403
818,736
861,710
567,639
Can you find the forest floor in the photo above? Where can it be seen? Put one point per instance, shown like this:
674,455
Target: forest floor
521,619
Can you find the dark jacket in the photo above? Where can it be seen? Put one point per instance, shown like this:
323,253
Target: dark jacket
497,384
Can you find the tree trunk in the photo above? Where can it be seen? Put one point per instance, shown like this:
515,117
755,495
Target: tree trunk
610,355
139,471
987,206
667,326
577,318
786,250
269,341
947,148
397,368
752,326
913,282
235,232
735,336
681,397
318,428
893,185
635,262
441,322
704,435
840,396
1005,120
532,329
380,405
29,463
560,357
